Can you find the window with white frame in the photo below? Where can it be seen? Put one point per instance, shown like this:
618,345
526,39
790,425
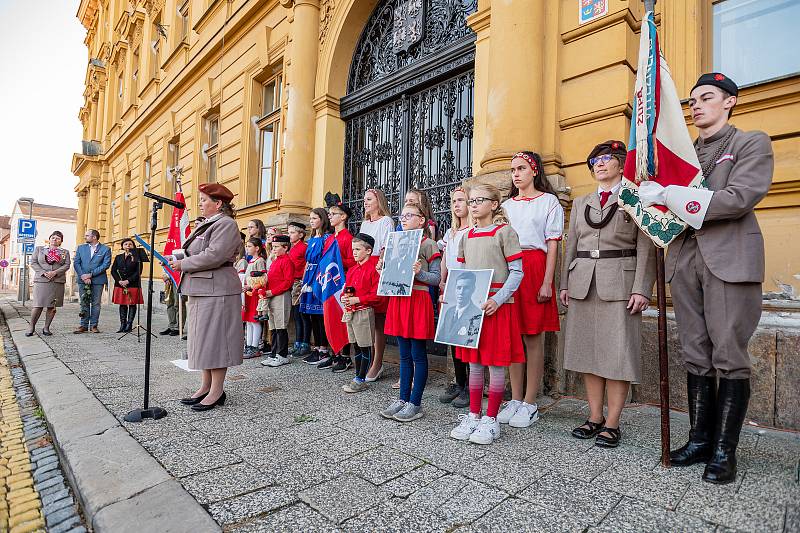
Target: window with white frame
211,128
269,127
755,40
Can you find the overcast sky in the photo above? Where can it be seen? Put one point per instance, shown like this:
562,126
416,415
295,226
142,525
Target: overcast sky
42,68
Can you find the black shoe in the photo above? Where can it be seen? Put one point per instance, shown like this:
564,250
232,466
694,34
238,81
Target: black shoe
204,407
167,331
184,338
450,393
462,400
122,328
129,327
313,358
608,442
588,429
193,401
702,396
732,400
47,333
325,361
29,333
342,364
174,333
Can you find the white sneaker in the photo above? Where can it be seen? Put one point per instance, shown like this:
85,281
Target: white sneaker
267,361
526,415
508,411
469,423
278,360
488,431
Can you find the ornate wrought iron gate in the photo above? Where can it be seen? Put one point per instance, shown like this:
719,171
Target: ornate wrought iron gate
409,108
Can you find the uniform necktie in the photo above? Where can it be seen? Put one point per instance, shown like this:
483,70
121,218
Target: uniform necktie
604,196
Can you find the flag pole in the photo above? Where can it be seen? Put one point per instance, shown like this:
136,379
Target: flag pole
663,355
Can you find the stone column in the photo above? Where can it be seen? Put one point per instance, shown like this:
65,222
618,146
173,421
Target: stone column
514,96
298,141
81,225
94,205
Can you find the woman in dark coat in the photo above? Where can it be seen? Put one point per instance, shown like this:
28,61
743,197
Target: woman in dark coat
127,271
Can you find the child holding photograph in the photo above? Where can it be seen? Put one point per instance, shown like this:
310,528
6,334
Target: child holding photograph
538,218
360,301
257,263
456,393
490,244
279,291
410,319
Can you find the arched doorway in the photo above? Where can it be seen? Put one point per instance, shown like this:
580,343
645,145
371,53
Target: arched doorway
409,106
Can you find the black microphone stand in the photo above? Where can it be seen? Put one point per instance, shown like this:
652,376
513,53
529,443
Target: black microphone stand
137,415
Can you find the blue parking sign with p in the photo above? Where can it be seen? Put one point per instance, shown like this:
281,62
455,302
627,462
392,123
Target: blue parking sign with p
26,228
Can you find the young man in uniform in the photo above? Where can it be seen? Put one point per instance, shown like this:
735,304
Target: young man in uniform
715,270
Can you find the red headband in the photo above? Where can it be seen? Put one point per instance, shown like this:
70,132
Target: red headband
459,189
373,191
528,159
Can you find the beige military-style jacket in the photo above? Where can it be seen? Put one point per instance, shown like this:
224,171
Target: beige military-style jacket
208,269
730,240
615,278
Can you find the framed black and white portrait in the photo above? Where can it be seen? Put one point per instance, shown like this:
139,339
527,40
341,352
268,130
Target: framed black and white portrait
461,317
399,256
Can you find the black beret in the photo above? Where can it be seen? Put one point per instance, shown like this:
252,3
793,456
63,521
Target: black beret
616,148
717,79
297,225
344,208
283,239
363,237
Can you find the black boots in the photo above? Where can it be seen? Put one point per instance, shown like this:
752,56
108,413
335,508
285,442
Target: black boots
123,319
131,316
732,400
702,395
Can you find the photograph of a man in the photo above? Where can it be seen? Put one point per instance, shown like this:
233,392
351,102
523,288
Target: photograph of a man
461,318
397,275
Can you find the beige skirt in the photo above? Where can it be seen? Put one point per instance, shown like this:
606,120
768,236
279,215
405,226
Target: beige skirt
49,294
361,328
603,338
280,309
214,328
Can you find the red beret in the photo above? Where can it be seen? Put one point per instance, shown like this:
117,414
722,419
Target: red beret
216,191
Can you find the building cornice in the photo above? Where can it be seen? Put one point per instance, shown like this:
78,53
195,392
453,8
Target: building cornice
87,13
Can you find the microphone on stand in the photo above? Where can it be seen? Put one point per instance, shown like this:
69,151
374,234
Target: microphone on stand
163,200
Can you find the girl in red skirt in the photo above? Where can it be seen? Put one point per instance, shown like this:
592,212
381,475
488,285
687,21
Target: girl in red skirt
410,319
538,218
490,244
257,263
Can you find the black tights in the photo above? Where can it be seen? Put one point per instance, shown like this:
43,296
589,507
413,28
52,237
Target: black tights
302,326
363,359
461,368
127,313
318,328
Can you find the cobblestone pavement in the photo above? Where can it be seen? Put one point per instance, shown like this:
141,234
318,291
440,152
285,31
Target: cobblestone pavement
33,491
291,452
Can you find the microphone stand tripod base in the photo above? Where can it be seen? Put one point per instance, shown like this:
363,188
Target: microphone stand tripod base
138,415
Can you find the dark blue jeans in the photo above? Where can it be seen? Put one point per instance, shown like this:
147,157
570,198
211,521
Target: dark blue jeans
413,364
91,313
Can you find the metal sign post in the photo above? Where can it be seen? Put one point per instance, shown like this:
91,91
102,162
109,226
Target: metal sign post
26,233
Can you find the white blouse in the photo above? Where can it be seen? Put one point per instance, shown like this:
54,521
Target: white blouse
449,247
536,220
378,230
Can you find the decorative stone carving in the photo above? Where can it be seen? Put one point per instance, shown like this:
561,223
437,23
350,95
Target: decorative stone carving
326,11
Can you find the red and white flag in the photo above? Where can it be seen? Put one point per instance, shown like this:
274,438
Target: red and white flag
178,230
660,148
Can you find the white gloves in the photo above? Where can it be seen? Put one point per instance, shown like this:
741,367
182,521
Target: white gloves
688,204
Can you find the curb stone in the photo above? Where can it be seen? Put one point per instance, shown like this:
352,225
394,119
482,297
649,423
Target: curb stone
119,485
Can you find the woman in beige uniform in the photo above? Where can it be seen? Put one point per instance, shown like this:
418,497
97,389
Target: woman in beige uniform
50,264
606,282
214,290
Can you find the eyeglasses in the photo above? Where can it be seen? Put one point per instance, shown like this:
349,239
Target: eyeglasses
409,216
478,201
605,158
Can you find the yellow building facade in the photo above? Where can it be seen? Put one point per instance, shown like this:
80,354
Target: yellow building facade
283,101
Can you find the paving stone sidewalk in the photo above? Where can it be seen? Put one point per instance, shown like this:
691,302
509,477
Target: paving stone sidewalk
290,451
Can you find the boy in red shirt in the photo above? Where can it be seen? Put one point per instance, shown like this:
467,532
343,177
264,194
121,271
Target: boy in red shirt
279,284
359,298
